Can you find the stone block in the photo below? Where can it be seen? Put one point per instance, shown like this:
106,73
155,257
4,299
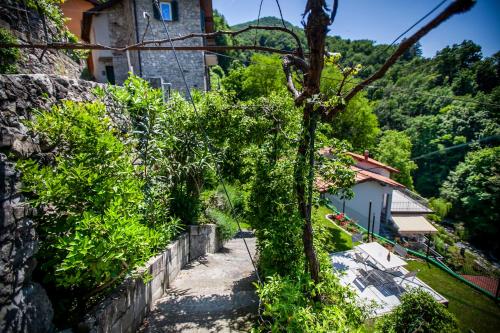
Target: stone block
157,287
117,327
127,319
139,300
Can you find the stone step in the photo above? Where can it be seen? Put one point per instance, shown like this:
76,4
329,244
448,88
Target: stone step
178,307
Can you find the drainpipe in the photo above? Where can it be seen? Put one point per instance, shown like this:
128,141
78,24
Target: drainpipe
369,219
373,225
137,37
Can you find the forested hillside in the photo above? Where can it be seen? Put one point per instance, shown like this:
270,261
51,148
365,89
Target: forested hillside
423,117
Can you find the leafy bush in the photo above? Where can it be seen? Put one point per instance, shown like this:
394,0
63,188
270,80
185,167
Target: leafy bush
227,225
173,155
274,217
289,308
440,207
8,56
92,228
418,312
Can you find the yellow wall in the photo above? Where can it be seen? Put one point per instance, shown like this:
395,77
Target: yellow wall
73,10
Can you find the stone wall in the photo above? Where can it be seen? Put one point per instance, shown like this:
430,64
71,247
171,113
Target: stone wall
126,308
122,32
162,63
203,240
27,26
24,305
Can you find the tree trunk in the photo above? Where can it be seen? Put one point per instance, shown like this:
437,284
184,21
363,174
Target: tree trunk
316,29
301,167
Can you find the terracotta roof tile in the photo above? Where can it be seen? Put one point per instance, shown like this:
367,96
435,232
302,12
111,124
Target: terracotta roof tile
365,175
361,177
374,162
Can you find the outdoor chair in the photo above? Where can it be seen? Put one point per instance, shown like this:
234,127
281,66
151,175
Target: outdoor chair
401,251
408,276
374,277
359,258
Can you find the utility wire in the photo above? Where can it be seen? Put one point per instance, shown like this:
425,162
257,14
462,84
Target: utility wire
281,14
258,22
372,86
411,27
414,25
456,146
207,142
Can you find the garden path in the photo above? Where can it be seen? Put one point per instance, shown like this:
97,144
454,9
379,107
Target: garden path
211,294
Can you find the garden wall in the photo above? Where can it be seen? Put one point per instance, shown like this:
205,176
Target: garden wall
24,305
27,27
125,309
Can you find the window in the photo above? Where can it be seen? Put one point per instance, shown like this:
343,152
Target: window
166,11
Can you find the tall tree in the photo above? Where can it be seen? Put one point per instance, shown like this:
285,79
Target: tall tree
316,107
394,149
473,189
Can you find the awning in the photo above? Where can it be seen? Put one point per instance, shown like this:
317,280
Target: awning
413,224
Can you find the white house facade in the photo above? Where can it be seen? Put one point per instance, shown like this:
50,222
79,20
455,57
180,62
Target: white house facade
379,200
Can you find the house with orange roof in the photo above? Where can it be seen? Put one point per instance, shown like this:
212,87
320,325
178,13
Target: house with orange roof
379,201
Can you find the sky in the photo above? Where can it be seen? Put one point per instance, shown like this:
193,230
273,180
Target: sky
383,20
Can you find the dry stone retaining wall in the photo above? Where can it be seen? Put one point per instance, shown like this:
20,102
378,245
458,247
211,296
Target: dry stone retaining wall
27,27
24,305
127,307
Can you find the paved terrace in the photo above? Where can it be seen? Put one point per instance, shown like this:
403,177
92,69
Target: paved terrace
387,295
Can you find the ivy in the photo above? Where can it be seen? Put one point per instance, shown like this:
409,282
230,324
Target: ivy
8,56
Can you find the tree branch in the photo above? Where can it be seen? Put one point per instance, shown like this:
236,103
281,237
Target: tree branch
345,76
84,46
143,45
287,68
457,7
290,61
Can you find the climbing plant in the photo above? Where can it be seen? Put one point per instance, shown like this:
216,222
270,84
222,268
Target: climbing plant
8,57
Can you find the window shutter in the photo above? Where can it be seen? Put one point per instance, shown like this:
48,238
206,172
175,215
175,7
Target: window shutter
156,11
175,11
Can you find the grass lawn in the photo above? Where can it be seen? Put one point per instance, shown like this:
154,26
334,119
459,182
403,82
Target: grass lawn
337,239
244,225
473,310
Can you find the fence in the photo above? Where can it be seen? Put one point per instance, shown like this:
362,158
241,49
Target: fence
489,286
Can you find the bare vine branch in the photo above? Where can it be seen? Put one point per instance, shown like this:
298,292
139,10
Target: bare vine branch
287,68
144,45
290,61
457,7
85,46
229,33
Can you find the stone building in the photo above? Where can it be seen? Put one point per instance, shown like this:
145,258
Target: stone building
126,22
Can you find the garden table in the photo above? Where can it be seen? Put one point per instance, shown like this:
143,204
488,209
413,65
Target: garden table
381,256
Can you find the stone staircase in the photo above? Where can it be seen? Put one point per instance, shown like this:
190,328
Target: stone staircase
211,294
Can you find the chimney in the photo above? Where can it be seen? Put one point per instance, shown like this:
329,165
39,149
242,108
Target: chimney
366,154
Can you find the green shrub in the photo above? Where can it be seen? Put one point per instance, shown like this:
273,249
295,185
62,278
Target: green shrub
227,225
441,208
418,312
287,306
8,56
274,217
92,227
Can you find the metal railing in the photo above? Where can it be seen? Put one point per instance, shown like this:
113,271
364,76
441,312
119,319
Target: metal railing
405,206
487,285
